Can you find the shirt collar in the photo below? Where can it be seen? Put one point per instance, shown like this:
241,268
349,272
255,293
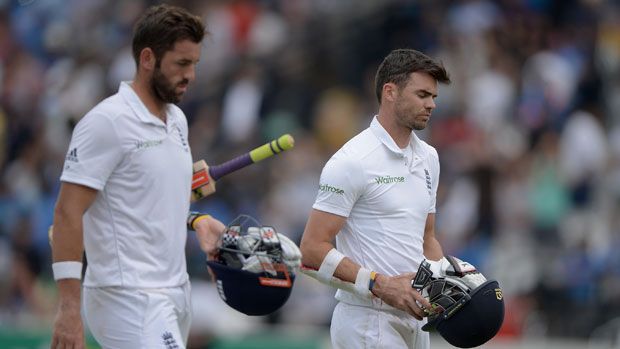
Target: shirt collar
387,140
138,107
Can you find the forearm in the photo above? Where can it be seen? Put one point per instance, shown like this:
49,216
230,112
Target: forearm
432,249
347,270
67,250
67,244
69,294
68,240
314,254
318,251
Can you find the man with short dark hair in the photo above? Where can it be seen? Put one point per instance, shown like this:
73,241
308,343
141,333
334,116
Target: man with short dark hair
124,200
380,208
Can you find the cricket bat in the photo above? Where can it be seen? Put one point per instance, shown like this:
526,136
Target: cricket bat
205,176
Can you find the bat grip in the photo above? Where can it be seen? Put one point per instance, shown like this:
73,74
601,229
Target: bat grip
241,161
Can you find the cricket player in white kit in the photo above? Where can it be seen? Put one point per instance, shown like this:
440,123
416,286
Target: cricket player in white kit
124,200
377,199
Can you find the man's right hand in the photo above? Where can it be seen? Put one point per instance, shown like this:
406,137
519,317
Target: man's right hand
397,292
68,328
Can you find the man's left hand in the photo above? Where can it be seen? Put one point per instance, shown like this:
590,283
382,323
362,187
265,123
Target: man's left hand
208,231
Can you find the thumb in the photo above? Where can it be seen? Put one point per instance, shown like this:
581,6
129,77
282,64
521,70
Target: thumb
423,301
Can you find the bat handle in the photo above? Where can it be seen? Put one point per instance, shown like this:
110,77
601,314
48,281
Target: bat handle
276,146
241,161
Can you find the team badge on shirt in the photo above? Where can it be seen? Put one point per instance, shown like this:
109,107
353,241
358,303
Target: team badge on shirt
183,141
169,340
428,181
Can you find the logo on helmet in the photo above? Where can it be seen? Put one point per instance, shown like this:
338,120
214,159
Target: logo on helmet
498,294
273,282
220,290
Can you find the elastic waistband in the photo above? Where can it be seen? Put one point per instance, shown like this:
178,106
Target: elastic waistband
183,285
372,302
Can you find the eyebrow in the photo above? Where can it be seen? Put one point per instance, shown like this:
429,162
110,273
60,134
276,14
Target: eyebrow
187,60
426,92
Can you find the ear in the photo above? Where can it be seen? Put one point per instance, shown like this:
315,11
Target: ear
390,92
147,59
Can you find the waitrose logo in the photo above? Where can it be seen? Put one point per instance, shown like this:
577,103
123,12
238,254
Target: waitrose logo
389,179
330,189
148,144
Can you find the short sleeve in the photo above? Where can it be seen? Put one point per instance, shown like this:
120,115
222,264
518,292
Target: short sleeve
340,186
94,152
434,169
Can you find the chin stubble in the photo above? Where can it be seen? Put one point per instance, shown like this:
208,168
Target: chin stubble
162,89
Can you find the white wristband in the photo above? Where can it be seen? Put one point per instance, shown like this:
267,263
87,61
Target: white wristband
329,265
361,283
67,270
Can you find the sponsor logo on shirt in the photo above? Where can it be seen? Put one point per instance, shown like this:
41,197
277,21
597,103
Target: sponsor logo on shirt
72,155
389,179
148,144
330,189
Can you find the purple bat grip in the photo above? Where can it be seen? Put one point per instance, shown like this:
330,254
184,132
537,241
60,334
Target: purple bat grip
229,166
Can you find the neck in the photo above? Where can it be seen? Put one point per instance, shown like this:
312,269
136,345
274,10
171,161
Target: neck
153,104
401,135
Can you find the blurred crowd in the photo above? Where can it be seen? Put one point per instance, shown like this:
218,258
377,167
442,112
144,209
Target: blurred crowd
528,136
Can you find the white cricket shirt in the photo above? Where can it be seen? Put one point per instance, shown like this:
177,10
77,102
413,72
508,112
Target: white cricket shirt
386,194
135,231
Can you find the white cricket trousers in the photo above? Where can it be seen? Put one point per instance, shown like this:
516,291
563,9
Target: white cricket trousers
361,327
125,318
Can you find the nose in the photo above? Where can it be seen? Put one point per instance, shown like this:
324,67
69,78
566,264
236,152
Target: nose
430,104
190,73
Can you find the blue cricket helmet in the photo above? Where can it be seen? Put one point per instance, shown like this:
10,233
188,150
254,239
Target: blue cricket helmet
247,292
255,267
468,318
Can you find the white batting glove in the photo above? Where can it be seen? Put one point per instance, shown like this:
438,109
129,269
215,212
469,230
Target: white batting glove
258,263
291,254
456,269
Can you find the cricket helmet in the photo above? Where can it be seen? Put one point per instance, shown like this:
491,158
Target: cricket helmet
255,267
468,310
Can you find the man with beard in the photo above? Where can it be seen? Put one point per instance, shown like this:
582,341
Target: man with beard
377,199
124,200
